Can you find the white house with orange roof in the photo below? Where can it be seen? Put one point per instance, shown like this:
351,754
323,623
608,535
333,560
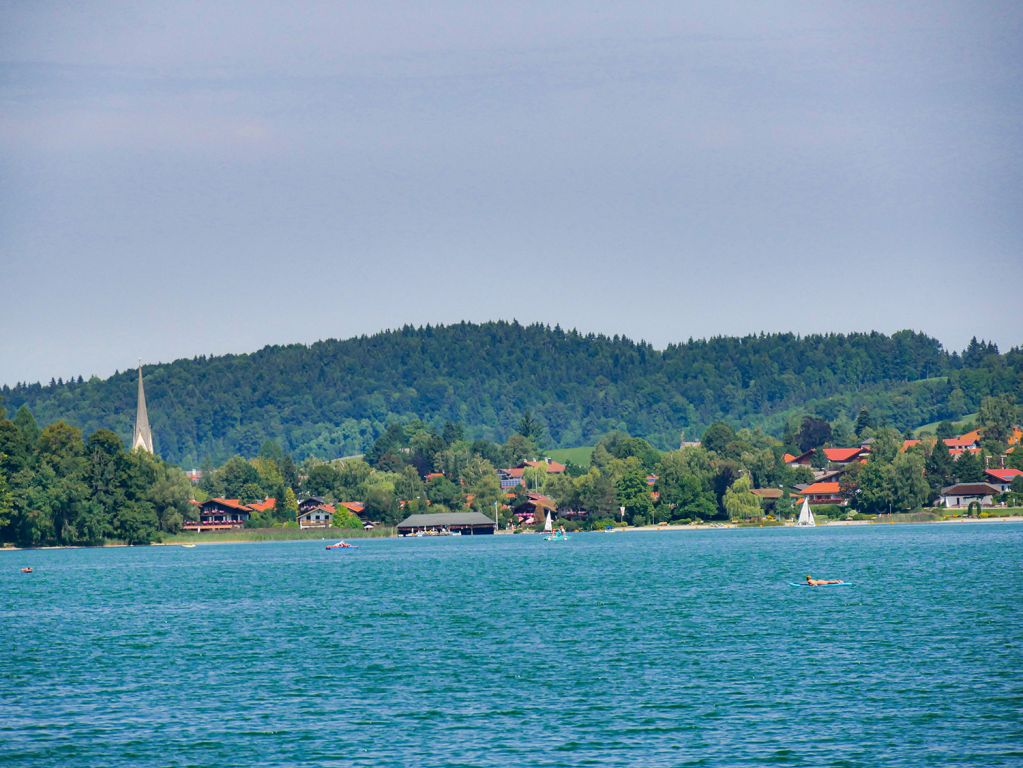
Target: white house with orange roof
824,493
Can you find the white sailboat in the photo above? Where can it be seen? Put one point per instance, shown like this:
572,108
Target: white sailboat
548,524
806,516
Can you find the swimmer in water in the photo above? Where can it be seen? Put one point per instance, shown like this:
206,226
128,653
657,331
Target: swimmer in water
821,582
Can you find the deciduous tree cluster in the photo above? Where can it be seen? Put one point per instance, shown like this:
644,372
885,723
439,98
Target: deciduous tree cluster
58,488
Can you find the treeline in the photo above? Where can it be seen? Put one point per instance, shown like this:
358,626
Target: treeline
335,398
57,488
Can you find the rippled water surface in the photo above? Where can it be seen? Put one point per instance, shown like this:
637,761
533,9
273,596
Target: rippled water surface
631,649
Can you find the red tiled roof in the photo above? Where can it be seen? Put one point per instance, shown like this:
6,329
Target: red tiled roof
233,503
821,489
842,454
1005,475
552,467
353,506
263,506
788,458
907,444
970,489
958,442
514,471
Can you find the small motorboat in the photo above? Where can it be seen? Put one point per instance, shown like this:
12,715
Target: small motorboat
340,545
26,570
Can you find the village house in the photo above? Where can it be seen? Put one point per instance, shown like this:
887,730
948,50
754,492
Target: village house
513,477
510,477
769,497
970,441
802,460
224,514
836,457
964,494
960,445
357,508
319,516
772,494
825,493
1002,478
316,512
534,508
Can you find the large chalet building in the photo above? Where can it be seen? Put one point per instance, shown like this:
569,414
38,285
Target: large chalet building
224,514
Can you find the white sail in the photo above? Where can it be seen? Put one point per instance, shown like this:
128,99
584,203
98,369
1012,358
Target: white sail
548,526
806,516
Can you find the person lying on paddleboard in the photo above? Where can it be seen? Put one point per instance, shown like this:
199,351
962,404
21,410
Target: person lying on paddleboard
821,582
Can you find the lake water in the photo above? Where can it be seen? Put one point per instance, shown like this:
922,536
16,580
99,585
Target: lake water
629,649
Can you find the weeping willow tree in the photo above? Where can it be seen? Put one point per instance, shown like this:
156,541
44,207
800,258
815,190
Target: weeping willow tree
740,501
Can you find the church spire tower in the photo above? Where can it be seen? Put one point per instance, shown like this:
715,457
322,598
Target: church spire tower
142,438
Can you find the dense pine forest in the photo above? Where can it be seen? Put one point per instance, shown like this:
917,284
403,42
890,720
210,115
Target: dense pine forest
335,398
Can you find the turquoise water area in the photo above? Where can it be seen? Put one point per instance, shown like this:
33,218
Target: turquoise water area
625,649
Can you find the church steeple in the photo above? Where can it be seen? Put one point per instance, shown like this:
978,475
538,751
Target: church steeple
143,438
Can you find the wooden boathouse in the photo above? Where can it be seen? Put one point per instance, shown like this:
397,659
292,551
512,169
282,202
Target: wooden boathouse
466,523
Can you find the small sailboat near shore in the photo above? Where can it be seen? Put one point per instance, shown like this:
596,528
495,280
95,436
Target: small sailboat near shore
806,516
551,534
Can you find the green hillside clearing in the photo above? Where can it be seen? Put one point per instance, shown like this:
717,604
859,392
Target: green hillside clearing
579,455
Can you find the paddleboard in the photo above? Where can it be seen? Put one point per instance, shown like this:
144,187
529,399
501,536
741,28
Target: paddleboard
819,586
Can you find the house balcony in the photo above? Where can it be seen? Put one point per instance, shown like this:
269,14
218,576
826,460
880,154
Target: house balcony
194,526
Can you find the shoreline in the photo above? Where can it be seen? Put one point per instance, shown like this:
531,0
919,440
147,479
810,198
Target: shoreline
630,529
830,524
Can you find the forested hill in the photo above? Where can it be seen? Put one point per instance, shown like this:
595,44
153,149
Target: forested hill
333,398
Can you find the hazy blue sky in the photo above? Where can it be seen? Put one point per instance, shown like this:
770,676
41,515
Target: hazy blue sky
188,178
